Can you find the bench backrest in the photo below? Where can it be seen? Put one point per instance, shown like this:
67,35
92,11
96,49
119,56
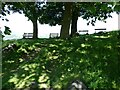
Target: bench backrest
28,35
100,29
83,31
53,35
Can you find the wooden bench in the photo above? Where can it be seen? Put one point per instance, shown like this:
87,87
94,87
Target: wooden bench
100,30
53,35
85,31
28,35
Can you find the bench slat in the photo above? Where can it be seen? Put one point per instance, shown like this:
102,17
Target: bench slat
101,29
28,35
52,35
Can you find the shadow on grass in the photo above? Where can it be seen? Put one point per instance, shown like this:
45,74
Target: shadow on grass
54,63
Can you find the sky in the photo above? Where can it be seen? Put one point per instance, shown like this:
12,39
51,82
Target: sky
19,25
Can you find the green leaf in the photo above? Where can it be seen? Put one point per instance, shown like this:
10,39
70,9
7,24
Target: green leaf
117,8
7,30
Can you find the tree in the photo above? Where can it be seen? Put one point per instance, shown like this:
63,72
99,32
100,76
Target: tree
66,20
89,11
32,10
75,15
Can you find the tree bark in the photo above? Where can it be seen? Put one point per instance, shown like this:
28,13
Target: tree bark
74,22
66,20
35,29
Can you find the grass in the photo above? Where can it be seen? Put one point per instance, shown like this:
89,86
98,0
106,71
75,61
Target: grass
94,59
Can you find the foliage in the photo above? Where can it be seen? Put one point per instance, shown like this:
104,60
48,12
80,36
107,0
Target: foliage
96,11
3,14
93,59
53,12
117,7
32,10
7,30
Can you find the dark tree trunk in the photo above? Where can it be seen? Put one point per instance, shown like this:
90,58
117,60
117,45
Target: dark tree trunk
35,29
66,20
74,22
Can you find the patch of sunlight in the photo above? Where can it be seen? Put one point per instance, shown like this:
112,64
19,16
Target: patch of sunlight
21,84
1,74
85,45
83,52
55,57
43,67
57,86
78,50
64,48
62,76
10,61
102,36
69,49
95,73
37,44
118,45
31,47
53,45
13,79
43,86
82,45
50,57
21,60
109,47
54,51
43,78
33,65
96,56
28,77
81,60
61,44
30,67
69,70
71,74
23,50
25,67
114,84
23,75
49,53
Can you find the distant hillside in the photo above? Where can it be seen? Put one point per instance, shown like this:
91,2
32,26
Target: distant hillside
94,59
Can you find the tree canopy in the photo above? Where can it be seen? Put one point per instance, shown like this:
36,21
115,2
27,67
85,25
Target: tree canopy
53,13
32,10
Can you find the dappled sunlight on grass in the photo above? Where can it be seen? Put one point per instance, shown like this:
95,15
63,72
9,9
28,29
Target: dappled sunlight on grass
103,36
56,62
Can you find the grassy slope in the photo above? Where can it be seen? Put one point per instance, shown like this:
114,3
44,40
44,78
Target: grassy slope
92,58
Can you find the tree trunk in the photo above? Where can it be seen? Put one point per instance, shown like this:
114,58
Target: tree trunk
74,22
66,20
35,29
